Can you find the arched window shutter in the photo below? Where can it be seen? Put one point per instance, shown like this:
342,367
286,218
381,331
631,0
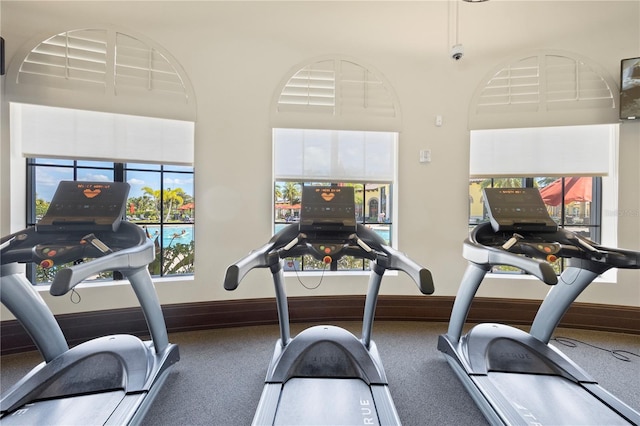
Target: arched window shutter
544,89
107,70
336,93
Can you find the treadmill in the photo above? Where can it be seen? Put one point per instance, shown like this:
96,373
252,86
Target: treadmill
517,377
109,380
325,375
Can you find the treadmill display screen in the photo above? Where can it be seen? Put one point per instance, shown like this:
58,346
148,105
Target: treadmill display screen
328,208
85,206
517,209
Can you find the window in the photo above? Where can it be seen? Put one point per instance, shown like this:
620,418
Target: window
154,155
373,209
574,203
331,93
364,160
539,93
101,104
160,200
575,168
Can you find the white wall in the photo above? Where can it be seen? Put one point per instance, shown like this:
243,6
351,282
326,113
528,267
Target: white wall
236,53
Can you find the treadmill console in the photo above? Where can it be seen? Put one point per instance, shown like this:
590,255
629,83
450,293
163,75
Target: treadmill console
85,206
84,221
328,208
517,209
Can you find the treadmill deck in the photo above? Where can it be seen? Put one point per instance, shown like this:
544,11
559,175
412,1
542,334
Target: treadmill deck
318,401
538,399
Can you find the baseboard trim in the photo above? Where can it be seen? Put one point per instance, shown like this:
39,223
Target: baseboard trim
83,326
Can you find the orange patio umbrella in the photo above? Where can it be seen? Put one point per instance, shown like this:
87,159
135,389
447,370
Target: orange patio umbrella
575,189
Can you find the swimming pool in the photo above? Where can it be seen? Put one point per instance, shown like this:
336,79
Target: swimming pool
171,234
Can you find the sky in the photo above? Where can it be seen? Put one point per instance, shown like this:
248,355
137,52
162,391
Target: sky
47,179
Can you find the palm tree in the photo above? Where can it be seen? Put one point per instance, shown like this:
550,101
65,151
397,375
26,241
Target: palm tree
171,197
542,182
41,207
291,192
503,183
516,182
154,193
156,198
167,199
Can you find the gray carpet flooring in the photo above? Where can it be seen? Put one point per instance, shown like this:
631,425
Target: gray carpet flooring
219,378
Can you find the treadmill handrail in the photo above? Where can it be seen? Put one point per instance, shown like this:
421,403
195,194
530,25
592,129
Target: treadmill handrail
364,243
490,256
126,259
255,259
399,261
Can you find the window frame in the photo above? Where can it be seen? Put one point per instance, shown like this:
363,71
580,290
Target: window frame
364,219
119,175
596,208
386,175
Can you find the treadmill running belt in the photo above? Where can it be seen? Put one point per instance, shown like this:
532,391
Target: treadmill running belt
80,410
325,402
552,400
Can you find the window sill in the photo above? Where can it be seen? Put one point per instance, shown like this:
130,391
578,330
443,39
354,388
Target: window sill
608,277
333,273
111,283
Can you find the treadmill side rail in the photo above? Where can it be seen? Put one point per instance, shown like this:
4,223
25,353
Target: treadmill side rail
268,405
387,413
612,401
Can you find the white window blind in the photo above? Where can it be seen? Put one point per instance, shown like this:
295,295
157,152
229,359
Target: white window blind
42,131
303,155
545,151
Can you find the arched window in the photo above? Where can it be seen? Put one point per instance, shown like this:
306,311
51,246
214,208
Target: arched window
336,122
562,138
103,104
374,210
